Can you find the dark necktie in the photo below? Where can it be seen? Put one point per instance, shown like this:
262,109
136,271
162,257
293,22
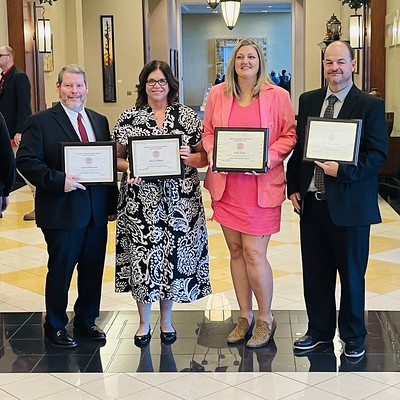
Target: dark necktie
319,176
2,81
82,130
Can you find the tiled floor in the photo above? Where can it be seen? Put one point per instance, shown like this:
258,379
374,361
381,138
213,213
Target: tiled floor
119,370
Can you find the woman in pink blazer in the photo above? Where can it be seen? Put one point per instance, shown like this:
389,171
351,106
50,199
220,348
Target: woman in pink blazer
248,205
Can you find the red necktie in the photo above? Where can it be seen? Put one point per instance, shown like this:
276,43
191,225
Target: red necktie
82,130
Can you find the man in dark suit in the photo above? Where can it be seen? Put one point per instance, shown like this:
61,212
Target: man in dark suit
335,220
15,102
15,94
73,218
7,166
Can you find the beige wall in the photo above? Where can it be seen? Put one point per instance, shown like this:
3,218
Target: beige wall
77,39
3,23
128,32
393,75
315,18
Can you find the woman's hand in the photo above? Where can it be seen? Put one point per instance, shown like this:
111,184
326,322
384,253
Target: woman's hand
252,173
133,180
184,152
210,155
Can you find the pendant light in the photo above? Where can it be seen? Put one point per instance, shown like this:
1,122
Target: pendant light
230,11
213,3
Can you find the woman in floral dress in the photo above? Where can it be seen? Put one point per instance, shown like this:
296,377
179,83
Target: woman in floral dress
161,237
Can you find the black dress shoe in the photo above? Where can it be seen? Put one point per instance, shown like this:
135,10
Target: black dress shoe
60,338
308,342
143,340
167,337
353,348
92,332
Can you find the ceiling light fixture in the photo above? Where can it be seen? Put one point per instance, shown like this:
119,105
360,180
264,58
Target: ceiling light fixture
230,11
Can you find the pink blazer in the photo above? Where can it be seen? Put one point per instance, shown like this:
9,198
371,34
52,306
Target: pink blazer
277,115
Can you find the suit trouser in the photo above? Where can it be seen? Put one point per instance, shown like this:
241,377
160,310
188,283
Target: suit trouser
327,250
84,248
32,187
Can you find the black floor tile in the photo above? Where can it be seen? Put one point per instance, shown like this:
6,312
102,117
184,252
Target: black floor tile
67,362
201,346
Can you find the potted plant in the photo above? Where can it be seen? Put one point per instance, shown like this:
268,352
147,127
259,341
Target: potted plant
355,4
47,1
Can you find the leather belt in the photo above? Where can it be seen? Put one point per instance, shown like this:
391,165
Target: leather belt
320,196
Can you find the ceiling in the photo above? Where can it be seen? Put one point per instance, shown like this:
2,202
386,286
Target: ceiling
247,7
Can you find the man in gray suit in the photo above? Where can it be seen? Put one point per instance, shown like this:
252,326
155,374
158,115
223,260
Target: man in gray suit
335,219
73,218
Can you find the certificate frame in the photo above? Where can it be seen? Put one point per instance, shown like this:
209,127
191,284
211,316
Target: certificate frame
156,157
95,162
240,149
332,139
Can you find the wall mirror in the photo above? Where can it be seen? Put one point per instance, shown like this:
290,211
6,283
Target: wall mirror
224,48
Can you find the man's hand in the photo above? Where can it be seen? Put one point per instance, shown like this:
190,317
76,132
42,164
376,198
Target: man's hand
71,183
295,198
17,139
330,167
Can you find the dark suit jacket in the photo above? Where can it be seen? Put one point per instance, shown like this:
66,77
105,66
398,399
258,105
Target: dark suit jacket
39,159
15,100
352,195
7,161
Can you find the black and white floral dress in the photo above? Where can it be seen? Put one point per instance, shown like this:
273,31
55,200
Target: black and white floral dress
161,236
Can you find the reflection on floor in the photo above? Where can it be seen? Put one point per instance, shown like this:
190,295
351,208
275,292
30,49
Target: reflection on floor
201,346
202,327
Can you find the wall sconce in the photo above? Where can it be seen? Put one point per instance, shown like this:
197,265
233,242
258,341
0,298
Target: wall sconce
43,35
356,31
230,11
213,3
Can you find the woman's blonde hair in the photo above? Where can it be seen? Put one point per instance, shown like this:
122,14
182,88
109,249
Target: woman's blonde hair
231,79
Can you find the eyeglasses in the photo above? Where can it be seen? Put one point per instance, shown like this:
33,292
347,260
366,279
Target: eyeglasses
161,82
5,55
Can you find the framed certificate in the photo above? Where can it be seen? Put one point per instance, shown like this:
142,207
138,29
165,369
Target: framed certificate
94,162
156,157
329,139
240,149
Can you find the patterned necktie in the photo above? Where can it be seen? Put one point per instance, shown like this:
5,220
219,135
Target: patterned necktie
2,81
82,130
319,176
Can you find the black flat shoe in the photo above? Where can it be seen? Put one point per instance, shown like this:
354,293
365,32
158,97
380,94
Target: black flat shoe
167,337
143,340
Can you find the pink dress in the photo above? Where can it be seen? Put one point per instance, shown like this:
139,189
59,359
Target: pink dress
238,208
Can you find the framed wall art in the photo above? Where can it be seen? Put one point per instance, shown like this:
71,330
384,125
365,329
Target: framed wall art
108,58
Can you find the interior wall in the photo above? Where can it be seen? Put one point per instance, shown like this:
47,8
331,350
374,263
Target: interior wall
198,45
57,16
3,23
128,35
392,75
